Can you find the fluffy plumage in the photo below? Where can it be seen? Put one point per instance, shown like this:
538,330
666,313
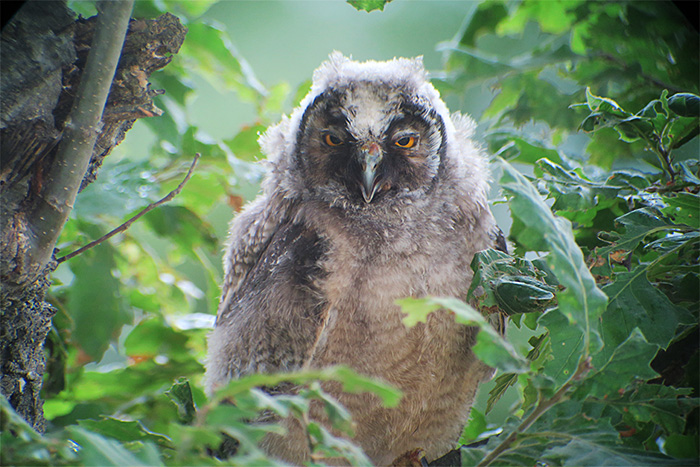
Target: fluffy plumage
375,192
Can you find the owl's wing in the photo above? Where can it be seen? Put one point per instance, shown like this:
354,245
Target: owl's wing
249,235
272,311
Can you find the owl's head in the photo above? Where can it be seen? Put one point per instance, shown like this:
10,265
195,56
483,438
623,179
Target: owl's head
367,134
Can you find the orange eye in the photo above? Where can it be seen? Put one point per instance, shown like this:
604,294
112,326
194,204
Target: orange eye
406,142
332,140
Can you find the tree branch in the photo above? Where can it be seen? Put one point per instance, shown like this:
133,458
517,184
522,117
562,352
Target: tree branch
128,223
55,200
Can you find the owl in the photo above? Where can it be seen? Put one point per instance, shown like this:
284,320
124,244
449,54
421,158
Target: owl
374,193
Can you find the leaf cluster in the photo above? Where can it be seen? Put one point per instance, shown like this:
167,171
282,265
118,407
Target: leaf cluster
609,291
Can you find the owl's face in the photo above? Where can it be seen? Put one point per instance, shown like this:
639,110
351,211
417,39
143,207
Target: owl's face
367,143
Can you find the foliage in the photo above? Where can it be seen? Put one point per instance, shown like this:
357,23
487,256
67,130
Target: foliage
368,5
608,224
603,282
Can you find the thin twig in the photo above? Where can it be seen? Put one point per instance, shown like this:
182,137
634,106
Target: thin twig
128,223
583,367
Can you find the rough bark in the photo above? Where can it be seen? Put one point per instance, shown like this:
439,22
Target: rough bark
44,51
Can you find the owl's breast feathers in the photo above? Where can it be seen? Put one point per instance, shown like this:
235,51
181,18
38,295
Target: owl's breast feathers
272,316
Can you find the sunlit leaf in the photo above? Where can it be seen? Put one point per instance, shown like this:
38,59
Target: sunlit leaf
368,5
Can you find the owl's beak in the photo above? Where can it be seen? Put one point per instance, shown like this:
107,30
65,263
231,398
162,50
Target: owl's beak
370,157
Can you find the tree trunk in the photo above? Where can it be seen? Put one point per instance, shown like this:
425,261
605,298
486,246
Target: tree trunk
44,58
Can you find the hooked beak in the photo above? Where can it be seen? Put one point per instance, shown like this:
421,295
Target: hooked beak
370,157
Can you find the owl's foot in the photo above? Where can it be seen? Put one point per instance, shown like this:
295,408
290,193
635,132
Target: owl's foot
414,458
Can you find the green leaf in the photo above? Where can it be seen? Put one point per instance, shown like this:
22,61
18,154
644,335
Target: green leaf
183,226
214,56
638,224
522,294
96,450
494,270
567,346
475,427
682,131
598,444
553,17
416,310
330,446
124,430
628,363
501,385
604,105
682,446
527,152
539,351
665,406
581,302
485,18
635,303
181,395
192,9
368,5
575,196
245,144
153,337
96,290
338,415
685,104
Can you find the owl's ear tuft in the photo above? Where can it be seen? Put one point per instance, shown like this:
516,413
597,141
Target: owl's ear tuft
330,70
416,66
336,59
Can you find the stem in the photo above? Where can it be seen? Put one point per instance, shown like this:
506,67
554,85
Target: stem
128,223
665,158
55,200
543,406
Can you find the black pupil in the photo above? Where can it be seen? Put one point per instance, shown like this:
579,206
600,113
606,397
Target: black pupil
334,139
404,141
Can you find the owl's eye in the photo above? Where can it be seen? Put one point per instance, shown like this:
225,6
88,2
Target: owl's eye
406,142
332,140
